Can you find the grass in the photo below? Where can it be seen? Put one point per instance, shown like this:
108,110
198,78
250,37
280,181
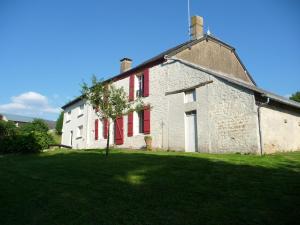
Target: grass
135,187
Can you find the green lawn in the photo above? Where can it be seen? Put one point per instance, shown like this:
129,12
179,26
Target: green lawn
135,187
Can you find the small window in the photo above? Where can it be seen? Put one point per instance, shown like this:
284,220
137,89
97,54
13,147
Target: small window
79,131
81,108
68,116
141,121
190,96
140,85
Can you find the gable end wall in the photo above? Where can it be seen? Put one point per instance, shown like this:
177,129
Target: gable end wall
215,56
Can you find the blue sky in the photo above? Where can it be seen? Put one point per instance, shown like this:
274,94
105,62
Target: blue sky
47,48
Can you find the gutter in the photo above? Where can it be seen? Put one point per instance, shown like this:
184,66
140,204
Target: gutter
261,104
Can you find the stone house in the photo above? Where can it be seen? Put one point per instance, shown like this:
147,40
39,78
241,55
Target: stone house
202,99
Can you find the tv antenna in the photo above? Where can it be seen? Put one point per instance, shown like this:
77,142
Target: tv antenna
189,19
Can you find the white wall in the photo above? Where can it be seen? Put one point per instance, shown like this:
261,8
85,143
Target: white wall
226,114
280,130
75,121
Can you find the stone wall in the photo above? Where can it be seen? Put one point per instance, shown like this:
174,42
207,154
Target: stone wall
226,114
280,130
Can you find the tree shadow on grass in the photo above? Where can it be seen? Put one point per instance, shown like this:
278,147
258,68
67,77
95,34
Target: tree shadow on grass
134,188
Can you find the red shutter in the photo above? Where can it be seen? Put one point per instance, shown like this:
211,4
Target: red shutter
147,120
105,128
146,82
131,87
119,135
130,124
96,129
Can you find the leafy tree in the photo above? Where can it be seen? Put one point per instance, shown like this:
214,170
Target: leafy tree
37,125
59,123
7,128
110,102
296,96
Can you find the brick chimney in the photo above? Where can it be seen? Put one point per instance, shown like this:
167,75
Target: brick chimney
196,27
125,64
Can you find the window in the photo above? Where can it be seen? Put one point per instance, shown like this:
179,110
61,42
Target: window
81,108
190,96
140,85
141,121
68,116
79,131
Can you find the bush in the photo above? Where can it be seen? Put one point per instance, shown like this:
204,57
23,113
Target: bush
25,143
7,129
37,125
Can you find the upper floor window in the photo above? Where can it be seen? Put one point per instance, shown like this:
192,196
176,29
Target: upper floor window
81,108
140,85
190,96
68,116
79,131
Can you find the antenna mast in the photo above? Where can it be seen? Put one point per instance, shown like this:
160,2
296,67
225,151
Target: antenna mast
189,19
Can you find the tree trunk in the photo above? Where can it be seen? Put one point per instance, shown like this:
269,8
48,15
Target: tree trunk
107,143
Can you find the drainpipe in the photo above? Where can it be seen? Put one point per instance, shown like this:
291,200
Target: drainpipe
261,104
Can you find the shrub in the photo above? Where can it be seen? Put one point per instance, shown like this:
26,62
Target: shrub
37,125
7,129
25,143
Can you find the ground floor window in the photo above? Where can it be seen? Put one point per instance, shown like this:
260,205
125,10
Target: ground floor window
141,121
79,131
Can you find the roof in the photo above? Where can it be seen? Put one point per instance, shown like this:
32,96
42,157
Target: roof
18,118
272,96
161,57
26,119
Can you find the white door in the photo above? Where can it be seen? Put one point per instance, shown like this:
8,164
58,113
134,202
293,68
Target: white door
191,132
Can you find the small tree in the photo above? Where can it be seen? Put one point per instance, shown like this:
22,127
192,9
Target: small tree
109,102
296,96
37,125
59,123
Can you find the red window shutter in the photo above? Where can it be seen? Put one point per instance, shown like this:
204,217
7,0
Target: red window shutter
130,124
131,87
105,128
147,120
146,83
119,135
96,129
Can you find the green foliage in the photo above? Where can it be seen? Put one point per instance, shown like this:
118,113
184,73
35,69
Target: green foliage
56,137
7,129
25,143
296,96
28,139
59,123
37,125
110,101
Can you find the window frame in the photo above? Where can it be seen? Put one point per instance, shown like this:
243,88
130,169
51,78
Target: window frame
141,122
139,92
190,96
69,113
80,110
79,133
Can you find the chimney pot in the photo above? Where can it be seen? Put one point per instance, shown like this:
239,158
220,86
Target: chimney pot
196,27
125,64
